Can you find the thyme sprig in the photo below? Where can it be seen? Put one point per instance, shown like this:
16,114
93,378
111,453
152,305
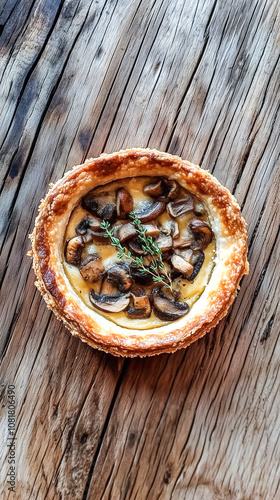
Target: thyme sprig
148,245
152,248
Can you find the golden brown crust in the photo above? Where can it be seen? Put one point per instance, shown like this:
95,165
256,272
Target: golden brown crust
47,248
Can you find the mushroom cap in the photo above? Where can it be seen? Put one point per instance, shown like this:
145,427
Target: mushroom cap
99,238
171,228
164,242
92,268
88,223
183,242
141,307
163,189
165,308
181,265
73,250
124,203
180,207
154,189
197,260
125,232
107,287
136,248
202,232
101,205
144,279
128,231
120,274
150,211
111,303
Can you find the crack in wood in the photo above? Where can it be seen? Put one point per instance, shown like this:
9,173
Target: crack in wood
105,426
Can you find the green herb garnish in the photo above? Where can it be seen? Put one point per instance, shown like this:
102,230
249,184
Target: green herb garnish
157,268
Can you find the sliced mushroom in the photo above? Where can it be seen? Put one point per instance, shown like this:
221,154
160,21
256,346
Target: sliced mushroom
124,203
166,308
181,265
198,208
92,268
181,207
141,307
109,212
150,211
183,242
154,189
164,242
99,238
128,231
202,232
171,228
87,223
163,189
186,254
197,262
125,232
101,205
120,274
111,303
140,278
171,190
87,237
73,250
108,287
136,248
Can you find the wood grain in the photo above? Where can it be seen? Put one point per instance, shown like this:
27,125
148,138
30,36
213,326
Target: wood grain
198,79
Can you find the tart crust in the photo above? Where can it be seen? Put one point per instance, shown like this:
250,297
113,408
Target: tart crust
87,324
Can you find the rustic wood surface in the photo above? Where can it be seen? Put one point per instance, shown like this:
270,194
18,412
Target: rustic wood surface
199,79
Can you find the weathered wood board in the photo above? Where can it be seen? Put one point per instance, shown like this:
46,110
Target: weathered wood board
199,79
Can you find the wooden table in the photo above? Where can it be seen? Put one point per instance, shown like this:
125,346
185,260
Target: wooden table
199,79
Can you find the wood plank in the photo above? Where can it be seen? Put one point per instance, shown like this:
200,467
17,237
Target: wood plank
199,79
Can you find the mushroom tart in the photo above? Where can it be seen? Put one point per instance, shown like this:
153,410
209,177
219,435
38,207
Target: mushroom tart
139,252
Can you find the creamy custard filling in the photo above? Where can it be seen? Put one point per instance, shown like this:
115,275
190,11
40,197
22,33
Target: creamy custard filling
190,291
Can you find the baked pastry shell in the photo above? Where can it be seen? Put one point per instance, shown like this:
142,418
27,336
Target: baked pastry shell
90,326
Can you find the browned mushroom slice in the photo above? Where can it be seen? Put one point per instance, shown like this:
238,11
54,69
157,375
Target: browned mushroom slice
197,262
171,228
128,231
112,303
141,307
120,274
165,308
181,265
140,278
109,212
170,191
102,205
183,242
124,203
163,189
150,211
185,253
135,248
202,232
154,189
73,250
125,232
88,223
92,268
181,207
198,208
99,238
107,287
164,242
